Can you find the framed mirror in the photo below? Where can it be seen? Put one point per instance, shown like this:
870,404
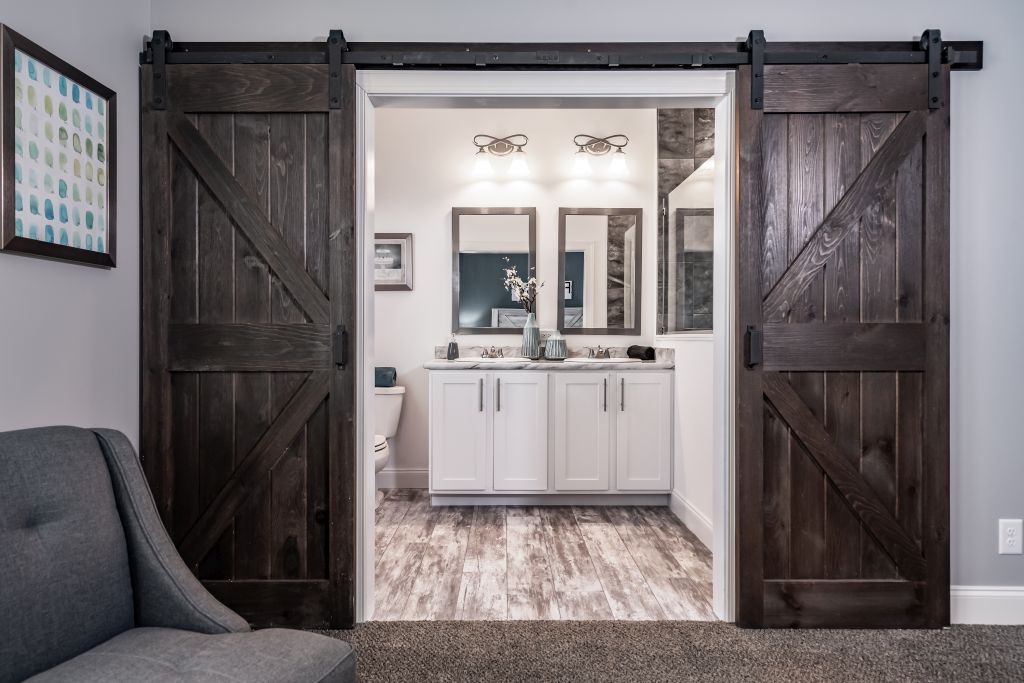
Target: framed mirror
599,266
482,238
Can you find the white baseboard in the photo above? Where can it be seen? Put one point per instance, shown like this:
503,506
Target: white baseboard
986,604
404,478
695,520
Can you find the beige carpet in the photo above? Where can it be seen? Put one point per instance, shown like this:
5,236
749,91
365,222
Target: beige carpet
677,651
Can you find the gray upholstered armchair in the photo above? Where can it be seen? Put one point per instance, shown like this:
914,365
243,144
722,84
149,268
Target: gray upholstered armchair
92,589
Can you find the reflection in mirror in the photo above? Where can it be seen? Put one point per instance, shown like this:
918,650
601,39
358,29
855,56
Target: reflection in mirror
686,181
599,267
482,240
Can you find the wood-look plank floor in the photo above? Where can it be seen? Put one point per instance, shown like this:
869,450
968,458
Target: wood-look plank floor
500,563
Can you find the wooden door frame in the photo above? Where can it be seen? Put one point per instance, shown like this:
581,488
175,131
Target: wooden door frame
710,88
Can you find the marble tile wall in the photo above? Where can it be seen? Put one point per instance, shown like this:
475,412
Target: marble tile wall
686,139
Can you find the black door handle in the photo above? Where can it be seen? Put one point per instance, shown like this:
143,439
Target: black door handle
753,346
340,346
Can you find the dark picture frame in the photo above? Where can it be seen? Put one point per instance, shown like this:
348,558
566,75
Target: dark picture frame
86,87
401,244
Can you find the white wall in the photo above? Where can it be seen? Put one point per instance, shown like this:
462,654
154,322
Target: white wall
987,239
693,463
424,167
69,340
693,480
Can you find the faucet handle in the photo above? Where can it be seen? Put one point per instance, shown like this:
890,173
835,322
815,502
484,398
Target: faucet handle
501,353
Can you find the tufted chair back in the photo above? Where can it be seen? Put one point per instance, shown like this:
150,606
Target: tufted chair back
65,582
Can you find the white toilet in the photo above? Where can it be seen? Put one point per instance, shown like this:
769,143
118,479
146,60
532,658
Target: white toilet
387,410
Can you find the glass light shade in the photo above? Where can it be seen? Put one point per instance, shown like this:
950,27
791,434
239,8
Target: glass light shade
618,166
482,165
519,168
581,164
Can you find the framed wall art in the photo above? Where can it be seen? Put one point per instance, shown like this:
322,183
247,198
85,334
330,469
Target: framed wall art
392,261
57,142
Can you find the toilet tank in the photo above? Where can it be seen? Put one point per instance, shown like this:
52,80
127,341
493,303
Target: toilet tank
387,409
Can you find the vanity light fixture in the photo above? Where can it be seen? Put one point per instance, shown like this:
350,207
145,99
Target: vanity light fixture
591,145
508,146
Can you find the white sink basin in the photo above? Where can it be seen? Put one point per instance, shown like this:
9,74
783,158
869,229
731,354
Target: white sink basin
506,359
584,359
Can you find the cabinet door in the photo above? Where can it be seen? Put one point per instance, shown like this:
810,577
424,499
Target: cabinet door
581,424
459,434
520,431
643,431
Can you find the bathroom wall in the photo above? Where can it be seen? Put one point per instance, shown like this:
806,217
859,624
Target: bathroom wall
424,167
69,336
693,480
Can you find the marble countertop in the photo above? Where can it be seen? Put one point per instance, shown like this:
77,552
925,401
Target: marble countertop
550,365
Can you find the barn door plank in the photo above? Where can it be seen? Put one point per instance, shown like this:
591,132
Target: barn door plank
215,305
253,409
842,308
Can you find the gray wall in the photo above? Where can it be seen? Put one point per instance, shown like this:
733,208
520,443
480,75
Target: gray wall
69,334
987,231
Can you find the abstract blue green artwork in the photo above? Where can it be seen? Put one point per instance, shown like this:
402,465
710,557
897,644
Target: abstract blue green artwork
61,166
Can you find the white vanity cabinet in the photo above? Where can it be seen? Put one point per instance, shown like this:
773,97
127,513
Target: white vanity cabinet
643,431
460,430
581,427
520,431
525,432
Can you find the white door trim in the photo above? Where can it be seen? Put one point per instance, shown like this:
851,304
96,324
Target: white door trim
695,88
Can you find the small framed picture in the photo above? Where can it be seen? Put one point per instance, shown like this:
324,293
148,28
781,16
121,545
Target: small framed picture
58,155
567,290
392,262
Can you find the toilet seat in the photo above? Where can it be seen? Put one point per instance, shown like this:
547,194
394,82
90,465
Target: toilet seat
379,443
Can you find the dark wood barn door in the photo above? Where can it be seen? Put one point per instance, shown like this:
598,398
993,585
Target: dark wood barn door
249,272
842,440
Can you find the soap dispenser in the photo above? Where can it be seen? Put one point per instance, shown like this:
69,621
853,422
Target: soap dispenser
453,348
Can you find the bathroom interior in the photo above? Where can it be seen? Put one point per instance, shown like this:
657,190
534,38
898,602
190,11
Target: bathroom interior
543,452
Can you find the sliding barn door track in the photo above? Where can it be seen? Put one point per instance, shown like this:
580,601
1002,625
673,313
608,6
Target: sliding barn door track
756,51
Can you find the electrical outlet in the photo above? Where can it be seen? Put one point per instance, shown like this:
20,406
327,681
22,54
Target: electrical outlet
1011,535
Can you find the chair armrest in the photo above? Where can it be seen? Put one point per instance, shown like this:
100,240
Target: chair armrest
166,593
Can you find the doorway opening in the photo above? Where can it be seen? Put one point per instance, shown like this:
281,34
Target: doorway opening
415,129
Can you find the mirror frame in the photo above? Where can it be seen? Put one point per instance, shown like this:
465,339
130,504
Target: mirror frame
457,212
638,290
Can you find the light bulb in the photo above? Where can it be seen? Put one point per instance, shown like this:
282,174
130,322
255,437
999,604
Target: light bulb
618,166
482,166
581,164
518,168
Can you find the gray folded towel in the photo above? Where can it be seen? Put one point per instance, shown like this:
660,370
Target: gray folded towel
385,377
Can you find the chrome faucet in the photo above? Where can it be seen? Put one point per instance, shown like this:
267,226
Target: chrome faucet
600,352
493,353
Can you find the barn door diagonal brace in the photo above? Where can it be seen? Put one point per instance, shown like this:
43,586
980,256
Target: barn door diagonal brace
160,44
335,46
931,43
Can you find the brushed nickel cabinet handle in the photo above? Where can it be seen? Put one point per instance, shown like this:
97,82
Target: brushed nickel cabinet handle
622,394
497,394
481,394
604,405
